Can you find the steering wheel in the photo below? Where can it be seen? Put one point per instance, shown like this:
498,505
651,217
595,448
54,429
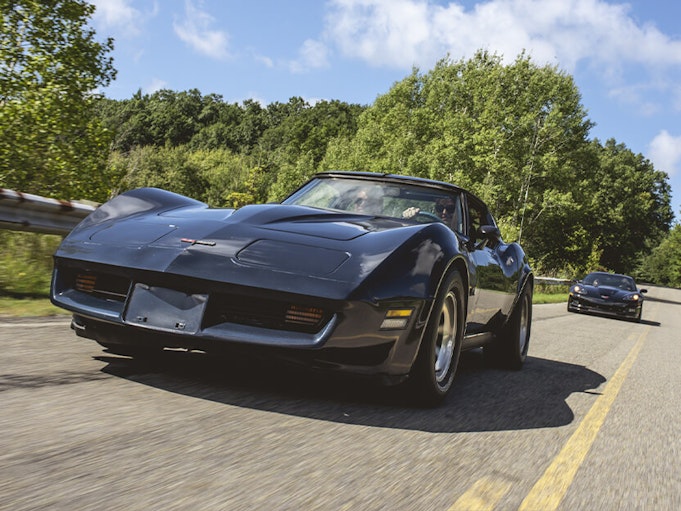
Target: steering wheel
424,217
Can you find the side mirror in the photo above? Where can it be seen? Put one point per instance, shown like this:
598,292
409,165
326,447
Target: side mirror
486,234
642,290
489,232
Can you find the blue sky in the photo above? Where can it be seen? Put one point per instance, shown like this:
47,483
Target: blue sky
625,56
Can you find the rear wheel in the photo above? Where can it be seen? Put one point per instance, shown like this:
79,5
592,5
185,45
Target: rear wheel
509,351
438,357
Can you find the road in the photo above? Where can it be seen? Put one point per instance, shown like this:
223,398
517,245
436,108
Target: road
591,422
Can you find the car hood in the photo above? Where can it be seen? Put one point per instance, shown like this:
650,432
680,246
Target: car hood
260,245
606,292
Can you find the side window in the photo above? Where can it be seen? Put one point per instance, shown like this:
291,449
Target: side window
477,216
449,209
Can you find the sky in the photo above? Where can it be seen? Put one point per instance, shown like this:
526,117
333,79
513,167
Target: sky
625,57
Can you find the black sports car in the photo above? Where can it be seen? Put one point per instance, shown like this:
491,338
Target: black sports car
366,273
607,293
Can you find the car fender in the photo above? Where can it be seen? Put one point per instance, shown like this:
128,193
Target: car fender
136,202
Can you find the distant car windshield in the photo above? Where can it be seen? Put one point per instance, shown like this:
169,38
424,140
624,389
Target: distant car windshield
377,198
605,279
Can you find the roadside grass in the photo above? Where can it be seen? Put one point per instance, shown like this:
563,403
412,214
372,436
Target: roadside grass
539,298
28,307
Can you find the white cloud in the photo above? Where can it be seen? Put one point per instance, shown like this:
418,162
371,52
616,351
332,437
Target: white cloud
665,152
265,61
403,33
156,85
119,14
195,30
312,55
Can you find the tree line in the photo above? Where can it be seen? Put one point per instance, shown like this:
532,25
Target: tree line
515,134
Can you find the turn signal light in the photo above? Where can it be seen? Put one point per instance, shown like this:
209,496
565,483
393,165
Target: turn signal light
396,319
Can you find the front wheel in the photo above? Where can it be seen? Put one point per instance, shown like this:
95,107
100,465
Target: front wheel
438,357
509,351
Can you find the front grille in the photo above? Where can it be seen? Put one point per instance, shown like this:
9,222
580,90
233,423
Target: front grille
264,313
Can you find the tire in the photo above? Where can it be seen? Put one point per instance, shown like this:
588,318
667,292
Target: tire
438,357
509,350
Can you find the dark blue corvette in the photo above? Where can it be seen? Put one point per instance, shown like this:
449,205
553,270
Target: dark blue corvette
372,274
611,294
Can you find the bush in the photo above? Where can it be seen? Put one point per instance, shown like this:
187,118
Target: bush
26,263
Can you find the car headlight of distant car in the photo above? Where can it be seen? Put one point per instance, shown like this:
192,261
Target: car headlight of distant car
578,290
396,319
633,298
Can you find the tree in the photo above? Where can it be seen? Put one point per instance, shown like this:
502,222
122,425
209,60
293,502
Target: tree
517,136
51,141
170,168
663,265
630,202
508,132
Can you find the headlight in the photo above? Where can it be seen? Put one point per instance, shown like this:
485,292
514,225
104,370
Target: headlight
633,298
578,290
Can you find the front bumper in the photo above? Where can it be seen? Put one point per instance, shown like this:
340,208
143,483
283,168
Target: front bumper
150,311
628,310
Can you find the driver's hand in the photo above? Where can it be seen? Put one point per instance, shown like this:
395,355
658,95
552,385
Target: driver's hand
410,212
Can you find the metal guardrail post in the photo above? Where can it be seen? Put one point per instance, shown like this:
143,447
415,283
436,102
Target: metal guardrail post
32,213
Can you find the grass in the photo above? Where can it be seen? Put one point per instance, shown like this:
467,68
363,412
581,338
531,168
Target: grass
29,307
539,298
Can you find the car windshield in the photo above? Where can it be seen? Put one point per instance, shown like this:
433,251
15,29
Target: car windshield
377,198
604,279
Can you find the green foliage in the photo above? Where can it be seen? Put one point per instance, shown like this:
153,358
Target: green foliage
222,172
291,176
282,143
170,168
516,135
663,265
26,263
51,142
629,205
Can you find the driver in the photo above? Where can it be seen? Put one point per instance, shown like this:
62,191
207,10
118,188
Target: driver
445,208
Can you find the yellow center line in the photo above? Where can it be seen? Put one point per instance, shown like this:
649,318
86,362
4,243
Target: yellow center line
550,489
482,496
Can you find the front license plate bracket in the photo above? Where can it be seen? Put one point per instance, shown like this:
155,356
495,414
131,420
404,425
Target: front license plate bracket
161,308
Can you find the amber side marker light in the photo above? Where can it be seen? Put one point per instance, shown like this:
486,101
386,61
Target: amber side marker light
396,319
86,282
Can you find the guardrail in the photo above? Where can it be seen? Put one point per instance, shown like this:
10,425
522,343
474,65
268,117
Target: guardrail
32,213
552,281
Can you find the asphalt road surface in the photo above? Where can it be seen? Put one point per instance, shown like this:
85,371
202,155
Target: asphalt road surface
592,422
